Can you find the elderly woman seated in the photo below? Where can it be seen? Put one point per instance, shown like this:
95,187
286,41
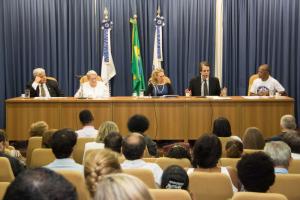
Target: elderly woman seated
159,84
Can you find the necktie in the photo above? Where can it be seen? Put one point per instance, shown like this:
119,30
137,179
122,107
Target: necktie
205,88
43,92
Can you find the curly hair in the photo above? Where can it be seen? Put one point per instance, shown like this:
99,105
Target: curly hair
99,163
234,149
154,74
207,151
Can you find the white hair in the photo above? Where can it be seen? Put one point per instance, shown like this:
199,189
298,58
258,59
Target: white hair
280,153
38,71
91,72
288,122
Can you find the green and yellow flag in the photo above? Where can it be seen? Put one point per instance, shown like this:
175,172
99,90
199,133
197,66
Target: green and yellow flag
138,82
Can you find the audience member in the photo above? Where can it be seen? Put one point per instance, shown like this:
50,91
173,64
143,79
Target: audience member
10,150
292,138
174,177
287,123
86,118
121,187
256,172
104,129
133,148
140,124
38,128
93,88
47,137
179,152
62,145
40,184
281,155
97,164
206,154
265,85
43,86
113,141
16,165
234,149
253,139
222,128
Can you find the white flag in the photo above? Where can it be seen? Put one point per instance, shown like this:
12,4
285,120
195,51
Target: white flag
157,51
108,69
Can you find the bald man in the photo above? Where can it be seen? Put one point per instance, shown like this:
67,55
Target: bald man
266,85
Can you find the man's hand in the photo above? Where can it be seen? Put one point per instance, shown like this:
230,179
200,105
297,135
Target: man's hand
37,79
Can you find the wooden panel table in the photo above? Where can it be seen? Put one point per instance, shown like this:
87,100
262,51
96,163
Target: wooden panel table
170,118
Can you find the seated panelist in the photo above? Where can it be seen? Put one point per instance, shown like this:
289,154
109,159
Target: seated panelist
93,88
159,84
41,86
204,85
266,85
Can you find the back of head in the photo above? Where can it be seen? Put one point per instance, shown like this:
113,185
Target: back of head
106,128
47,138
121,186
38,128
292,138
133,146
63,142
138,123
86,117
256,172
97,164
2,142
175,177
288,122
207,151
253,139
280,153
40,184
221,127
178,151
113,141
234,149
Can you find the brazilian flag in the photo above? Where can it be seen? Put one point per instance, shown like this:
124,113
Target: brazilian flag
138,82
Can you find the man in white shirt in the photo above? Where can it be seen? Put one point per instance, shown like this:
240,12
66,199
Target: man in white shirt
93,88
266,85
86,118
62,144
133,148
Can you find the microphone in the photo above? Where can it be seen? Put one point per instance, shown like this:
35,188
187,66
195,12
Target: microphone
79,76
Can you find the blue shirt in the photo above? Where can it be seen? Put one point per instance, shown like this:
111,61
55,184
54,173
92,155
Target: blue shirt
279,170
65,164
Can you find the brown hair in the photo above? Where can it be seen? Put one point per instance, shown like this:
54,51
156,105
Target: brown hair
47,137
38,128
98,163
253,138
234,149
203,63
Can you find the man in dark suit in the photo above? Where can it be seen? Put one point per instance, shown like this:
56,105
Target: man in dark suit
204,85
41,86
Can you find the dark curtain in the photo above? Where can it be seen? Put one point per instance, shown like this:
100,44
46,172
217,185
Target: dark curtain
257,32
64,37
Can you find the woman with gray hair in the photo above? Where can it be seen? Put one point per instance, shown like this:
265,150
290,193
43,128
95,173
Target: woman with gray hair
93,88
280,153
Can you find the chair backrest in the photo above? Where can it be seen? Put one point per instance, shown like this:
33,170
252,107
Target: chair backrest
212,186
174,194
256,196
232,162
6,173
143,174
251,79
85,79
150,159
288,185
165,162
33,143
77,179
79,149
41,157
224,141
3,187
249,151
294,167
